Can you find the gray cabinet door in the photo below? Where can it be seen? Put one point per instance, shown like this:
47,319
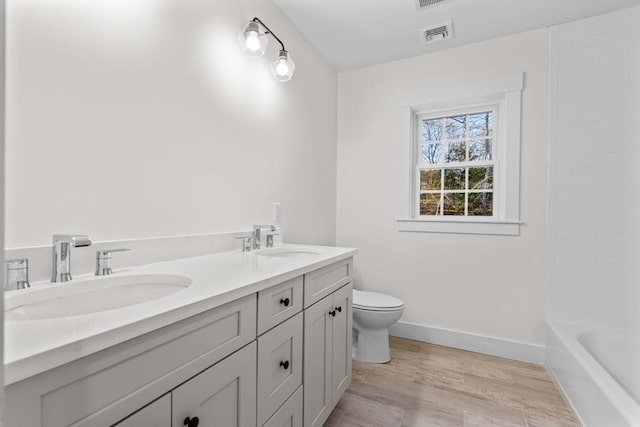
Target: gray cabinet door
279,366
157,414
317,362
341,341
223,395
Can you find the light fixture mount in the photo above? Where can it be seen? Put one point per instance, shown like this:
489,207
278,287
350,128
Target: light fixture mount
257,21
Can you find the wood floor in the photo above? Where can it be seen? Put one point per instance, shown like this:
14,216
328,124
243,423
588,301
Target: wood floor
426,385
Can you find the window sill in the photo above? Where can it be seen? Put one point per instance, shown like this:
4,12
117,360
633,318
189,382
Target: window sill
460,226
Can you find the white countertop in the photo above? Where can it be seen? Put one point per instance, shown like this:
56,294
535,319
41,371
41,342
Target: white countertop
35,346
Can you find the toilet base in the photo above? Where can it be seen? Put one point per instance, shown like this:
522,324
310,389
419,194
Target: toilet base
371,346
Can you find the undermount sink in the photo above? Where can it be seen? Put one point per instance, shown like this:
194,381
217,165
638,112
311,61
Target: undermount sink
288,252
91,296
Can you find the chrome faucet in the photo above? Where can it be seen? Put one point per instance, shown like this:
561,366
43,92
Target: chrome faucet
257,230
62,244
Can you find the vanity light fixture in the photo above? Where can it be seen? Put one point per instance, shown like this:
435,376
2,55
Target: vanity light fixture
254,41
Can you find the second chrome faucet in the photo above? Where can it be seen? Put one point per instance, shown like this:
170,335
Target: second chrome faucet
62,244
257,233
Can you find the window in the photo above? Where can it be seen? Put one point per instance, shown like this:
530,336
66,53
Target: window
459,157
455,164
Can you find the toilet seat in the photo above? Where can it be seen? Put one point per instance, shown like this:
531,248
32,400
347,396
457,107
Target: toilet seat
373,301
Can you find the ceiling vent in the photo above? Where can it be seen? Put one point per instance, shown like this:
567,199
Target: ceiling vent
426,3
437,33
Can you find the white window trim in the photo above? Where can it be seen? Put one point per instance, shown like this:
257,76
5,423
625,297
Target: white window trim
503,91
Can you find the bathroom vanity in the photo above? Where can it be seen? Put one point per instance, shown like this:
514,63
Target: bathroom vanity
258,339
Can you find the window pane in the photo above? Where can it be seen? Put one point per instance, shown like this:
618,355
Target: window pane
456,127
453,204
481,178
429,204
480,149
481,124
454,179
432,130
431,153
456,152
480,204
430,180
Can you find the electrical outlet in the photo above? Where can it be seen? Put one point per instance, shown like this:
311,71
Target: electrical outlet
277,212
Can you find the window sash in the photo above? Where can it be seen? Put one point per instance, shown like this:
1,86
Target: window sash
449,140
455,165
466,191
455,191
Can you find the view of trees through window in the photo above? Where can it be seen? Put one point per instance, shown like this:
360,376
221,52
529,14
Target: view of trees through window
455,165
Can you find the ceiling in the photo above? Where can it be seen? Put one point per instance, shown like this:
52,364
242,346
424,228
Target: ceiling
357,33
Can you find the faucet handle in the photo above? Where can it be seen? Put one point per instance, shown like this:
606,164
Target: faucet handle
246,243
17,274
17,263
270,239
106,253
103,261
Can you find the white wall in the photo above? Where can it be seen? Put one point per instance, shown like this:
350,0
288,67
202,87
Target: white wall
477,284
594,236
139,118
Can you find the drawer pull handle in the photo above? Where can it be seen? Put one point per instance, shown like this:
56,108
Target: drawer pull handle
191,422
332,313
339,309
285,364
285,302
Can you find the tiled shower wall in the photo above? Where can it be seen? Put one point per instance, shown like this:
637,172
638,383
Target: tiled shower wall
594,182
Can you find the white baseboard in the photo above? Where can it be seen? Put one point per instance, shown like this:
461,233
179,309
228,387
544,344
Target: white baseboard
524,352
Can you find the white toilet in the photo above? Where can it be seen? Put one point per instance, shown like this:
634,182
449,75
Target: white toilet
373,314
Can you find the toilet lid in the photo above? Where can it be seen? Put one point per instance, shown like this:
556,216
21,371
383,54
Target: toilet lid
375,301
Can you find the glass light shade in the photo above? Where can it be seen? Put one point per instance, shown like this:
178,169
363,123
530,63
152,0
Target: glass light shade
253,42
283,67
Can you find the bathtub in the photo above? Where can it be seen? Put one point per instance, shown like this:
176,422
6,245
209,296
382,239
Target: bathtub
598,372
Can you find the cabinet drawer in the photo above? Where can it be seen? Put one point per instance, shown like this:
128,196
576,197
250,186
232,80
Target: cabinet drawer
279,366
157,414
278,303
109,385
289,414
320,283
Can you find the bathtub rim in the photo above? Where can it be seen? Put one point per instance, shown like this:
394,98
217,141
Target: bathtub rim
618,397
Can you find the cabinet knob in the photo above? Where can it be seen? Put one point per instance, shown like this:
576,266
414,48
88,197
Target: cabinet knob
332,313
285,302
339,309
191,422
285,364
